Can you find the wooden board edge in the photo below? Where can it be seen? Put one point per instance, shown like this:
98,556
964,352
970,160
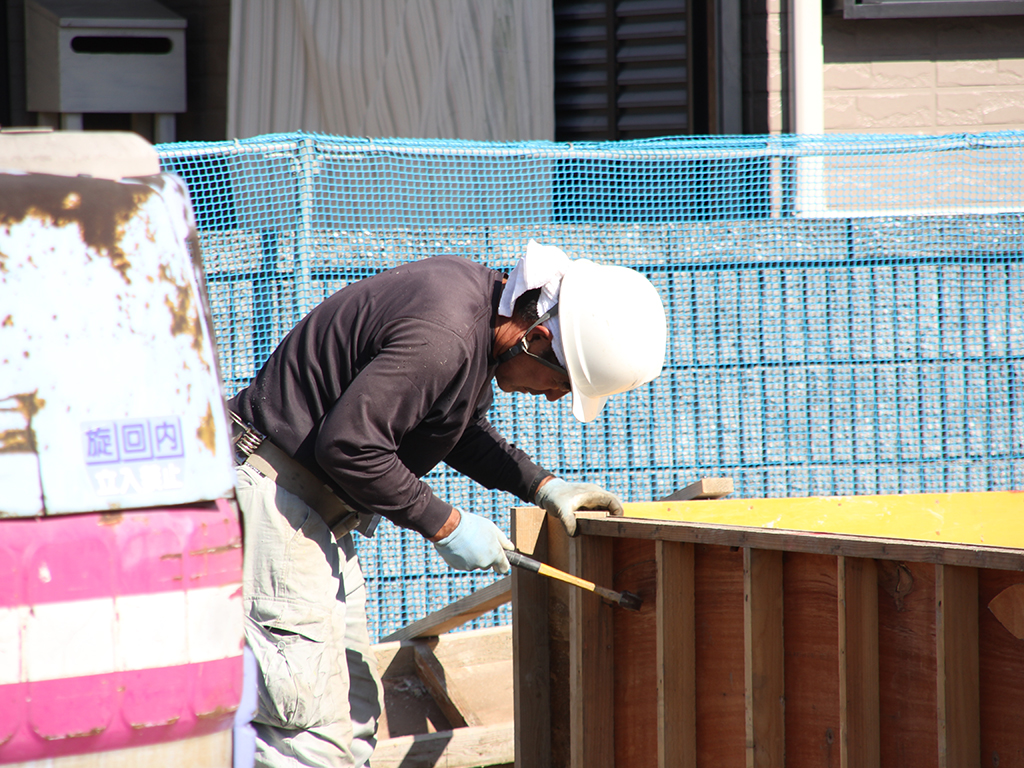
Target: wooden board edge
998,558
457,613
457,748
705,488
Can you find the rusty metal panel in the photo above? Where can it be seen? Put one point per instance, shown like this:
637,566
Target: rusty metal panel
110,396
120,630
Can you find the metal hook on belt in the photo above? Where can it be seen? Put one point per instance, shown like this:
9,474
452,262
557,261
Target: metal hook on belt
247,438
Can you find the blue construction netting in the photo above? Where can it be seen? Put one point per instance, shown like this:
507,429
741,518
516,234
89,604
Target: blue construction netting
846,313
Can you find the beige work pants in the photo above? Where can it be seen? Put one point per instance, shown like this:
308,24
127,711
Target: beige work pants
305,614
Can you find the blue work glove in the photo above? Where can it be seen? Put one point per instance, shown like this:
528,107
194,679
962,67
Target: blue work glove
562,499
475,544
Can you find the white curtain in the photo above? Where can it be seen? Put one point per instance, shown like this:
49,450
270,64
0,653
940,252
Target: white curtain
467,69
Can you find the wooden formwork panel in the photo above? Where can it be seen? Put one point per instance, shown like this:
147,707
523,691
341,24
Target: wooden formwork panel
767,647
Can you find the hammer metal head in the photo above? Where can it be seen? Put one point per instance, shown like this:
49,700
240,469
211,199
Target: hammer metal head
630,601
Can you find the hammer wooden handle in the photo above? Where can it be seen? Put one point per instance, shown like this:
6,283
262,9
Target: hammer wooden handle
625,599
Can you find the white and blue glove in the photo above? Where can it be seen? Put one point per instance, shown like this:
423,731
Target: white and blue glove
475,544
562,499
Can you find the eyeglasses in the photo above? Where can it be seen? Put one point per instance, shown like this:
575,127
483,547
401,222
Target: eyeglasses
523,346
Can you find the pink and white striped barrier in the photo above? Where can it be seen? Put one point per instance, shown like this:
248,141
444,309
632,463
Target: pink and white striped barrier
118,629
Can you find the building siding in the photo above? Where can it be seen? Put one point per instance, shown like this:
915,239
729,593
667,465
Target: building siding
925,76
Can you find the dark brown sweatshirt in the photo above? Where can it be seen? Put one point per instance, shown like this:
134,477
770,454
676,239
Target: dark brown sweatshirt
384,380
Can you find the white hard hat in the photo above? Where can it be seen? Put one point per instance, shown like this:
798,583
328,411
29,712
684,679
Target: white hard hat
612,331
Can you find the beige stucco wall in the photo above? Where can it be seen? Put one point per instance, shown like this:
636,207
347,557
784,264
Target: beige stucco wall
927,76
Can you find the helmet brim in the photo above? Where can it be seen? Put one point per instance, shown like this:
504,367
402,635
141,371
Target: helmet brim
586,408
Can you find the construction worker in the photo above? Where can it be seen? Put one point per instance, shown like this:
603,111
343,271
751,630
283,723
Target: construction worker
373,388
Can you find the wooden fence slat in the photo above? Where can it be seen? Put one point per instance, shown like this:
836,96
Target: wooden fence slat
956,635
858,660
559,657
906,663
634,564
764,657
591,659
530,646
721,699
676,639
810,614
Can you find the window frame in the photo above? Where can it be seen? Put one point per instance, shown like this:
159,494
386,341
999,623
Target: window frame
916,9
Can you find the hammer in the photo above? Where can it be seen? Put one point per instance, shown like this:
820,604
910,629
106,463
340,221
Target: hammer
626,599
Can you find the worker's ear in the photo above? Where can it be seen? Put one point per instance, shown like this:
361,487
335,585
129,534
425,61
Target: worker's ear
540,332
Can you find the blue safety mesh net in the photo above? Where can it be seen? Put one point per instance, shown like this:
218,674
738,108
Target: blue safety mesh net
846,313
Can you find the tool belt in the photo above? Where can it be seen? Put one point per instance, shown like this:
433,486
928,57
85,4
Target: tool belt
254,449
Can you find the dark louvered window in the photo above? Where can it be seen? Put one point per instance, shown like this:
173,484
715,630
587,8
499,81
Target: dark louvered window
623,70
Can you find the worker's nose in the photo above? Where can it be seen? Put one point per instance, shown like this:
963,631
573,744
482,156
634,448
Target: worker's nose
557,395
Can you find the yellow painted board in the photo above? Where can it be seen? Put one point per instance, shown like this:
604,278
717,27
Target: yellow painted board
993,518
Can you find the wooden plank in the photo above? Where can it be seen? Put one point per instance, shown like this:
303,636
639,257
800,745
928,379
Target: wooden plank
472,673
959,726
810,612
705,488
559,626
718,606
457,613
461,748
990,519
591,658
408,706
394,659
794,541
409,709
858,656
677,665
636,665
906,664
471,681
1001,673
530,643
764,679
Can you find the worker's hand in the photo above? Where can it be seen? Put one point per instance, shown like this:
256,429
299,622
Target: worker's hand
475,544
562,499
